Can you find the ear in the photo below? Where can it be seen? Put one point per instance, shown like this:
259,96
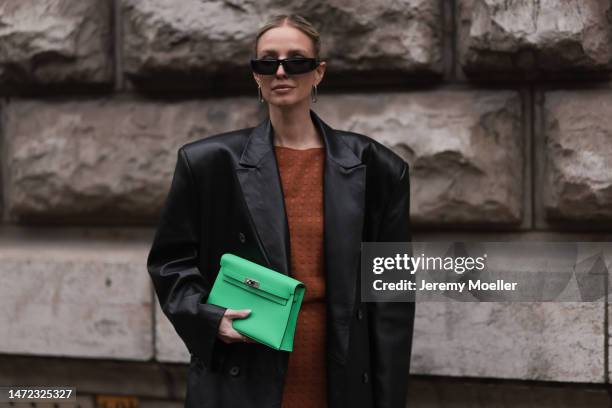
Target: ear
320,72
256,77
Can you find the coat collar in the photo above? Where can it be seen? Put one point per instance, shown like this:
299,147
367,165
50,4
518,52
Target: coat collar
344,206
260,143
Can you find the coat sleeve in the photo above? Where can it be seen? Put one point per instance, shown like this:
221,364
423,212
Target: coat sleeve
391,323
173,266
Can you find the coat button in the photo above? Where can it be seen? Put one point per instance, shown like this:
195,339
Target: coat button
359,314
365,378
234,371
242,237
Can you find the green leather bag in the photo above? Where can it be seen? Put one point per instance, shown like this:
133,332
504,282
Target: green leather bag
274,299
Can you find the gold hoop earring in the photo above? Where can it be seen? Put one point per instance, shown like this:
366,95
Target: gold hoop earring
261,99
313,92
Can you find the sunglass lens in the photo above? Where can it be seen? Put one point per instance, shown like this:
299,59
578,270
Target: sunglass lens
300,65
264,67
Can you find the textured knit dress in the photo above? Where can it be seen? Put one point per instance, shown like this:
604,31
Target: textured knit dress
301,172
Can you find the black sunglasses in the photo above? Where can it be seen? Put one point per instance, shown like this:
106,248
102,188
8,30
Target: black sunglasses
291,66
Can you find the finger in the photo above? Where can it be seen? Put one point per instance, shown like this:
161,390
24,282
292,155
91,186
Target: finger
232,312
238,314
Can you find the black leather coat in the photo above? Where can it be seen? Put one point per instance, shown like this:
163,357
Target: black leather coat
226,196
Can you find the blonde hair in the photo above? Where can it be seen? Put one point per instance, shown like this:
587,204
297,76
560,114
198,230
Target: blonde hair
296,21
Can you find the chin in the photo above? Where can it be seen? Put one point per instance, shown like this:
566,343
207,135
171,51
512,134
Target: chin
283,101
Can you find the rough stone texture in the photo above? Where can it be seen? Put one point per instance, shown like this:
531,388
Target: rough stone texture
69,298
55,41
104,161
211,37
168,345
111,161
577,127
529,341
465,149
534,38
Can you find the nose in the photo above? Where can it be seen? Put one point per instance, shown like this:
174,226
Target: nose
280,71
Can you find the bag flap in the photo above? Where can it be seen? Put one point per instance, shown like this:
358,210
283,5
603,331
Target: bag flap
257,276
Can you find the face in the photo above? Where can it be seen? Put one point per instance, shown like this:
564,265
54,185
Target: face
284,42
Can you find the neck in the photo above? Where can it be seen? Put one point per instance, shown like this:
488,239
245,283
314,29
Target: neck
293,127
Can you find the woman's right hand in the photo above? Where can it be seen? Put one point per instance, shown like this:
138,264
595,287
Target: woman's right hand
227,333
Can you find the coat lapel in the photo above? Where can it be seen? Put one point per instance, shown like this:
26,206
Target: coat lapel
259,180
344,206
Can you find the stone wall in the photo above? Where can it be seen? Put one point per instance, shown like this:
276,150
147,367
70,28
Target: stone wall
502,109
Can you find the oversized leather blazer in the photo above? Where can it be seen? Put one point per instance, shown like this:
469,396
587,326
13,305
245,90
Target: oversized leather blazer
226,196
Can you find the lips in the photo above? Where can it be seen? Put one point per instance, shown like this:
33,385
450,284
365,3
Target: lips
282,87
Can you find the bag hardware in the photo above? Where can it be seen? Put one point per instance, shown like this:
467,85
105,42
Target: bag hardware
251,282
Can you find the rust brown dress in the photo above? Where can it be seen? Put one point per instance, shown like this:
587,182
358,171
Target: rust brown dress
301,172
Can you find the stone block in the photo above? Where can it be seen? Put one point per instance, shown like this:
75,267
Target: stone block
465,149
104,161
75,299
180,44
576,139
529,341
534,38
51,42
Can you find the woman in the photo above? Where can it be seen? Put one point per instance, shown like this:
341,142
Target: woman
299,197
